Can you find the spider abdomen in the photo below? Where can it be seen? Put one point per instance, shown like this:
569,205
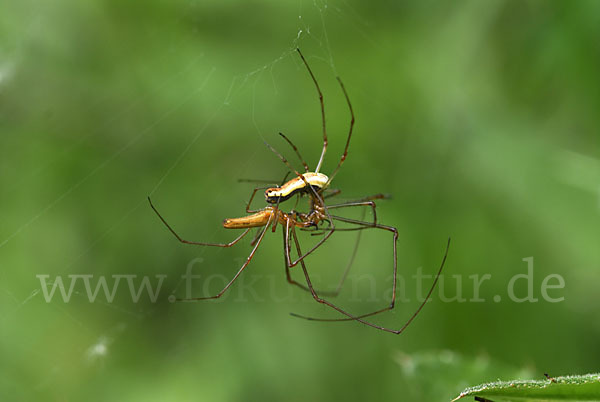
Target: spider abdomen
297,185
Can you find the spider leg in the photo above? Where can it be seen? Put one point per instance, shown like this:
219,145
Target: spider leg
391,306
288,164
271,182
276,212
248,210
255,238
365,201
286,258
317,199
248,259
233,242
350,262
369,225
358,204
322,110
263,188
328,303
306,168
282,182
332,193
345,154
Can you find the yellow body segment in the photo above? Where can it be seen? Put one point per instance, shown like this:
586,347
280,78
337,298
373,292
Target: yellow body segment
265,216
296,185
256,220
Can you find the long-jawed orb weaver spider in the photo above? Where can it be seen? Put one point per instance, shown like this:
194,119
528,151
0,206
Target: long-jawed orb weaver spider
314,185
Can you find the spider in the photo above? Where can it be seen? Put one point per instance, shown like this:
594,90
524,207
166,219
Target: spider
314,185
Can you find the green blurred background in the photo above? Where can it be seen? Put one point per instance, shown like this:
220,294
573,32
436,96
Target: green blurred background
479,117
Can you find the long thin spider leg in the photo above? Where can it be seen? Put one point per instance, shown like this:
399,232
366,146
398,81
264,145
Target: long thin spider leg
286,246
384,227
330,218
297,200
365,201
336,191
389,308
322,110
252,198
282,182
255,238
306,168
288,164
350,262
356,318
272,182
254,194
379,196
276,213
338,288
262,235
333,193
283,159
319,201
361,201
328,303
286,258
362,223
278,200
358,204
194,242
345,154
321,232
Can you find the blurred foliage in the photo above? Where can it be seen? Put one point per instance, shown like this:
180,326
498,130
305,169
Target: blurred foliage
480,118
567,388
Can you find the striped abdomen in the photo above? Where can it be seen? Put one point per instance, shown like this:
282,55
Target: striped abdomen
295,186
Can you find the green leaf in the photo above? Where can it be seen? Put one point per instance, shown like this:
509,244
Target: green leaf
568,388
